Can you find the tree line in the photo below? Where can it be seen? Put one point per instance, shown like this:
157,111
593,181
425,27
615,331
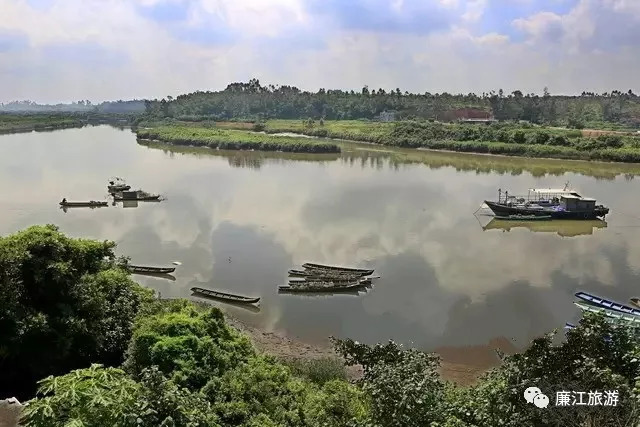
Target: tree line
254,101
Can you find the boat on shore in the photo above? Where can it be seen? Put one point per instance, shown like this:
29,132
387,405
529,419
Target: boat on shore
607,304
90,204
141,269
225,296
557,204
321,267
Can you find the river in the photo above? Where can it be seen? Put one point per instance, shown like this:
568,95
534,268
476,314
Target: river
238,221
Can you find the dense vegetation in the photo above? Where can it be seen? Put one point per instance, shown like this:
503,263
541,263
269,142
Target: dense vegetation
252,100
233,139
26,122
505,138
172,363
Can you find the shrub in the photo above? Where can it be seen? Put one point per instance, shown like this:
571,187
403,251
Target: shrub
319,370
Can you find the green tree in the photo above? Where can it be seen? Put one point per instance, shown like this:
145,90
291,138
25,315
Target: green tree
62,297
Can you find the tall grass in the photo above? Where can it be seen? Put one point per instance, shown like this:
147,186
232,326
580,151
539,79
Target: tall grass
319,370
225,139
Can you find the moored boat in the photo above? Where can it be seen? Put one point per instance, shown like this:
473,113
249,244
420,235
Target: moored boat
313,266
616,317
319,287
563,205
524,217
90,204
327,274
605,303
210,293
135,195
150,270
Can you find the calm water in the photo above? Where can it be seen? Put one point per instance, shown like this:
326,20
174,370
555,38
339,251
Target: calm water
240,221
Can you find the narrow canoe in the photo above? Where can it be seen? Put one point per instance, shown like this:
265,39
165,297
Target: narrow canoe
88,204
145,269
313,272
618,317
635,301
320,288
313,266
605,303
224,296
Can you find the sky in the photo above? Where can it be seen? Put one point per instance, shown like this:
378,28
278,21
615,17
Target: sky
66,50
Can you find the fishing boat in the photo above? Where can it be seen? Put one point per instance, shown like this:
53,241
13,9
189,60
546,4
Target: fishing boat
210,293
562,205
150,270
635,301
326,274
90,204
313,266
320,287
524,217
135,195
605,303
615,316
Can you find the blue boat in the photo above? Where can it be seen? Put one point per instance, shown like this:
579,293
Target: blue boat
612,315
605,303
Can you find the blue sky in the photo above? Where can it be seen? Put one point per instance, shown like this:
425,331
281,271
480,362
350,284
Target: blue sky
152,48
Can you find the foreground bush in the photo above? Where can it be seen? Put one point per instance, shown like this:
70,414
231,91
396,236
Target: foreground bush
62,306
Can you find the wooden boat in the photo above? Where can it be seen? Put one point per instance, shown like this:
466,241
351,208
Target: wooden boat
605,303
150,270
118,187
524,217
89,204
210,293
319,287
615,316
313,266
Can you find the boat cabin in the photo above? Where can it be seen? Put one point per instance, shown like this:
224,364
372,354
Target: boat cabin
543,194
576,203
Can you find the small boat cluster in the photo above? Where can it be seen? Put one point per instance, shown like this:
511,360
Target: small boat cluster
327,278
614,312
119,190
546,204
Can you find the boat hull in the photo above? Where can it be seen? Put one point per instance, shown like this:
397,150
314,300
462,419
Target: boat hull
320,267
223,296
501,209
83,204
150,270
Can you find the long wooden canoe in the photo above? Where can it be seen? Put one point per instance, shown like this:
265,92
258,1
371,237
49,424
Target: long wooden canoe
151,197
145,269
313,287
118,187
605,303
89,204
313,272
210,293
313,266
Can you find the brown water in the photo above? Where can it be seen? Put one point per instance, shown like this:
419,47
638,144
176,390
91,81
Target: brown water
239,221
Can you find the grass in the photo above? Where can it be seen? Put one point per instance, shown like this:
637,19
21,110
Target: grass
226,139
511,139
319,370
29,122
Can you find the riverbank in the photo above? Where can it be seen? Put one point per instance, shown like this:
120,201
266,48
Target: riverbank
460,365
508,139
223,139
14,123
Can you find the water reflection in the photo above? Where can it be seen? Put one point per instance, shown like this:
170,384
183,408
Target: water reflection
240,221
564,228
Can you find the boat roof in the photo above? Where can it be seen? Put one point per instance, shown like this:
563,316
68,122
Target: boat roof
572,196
552,190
